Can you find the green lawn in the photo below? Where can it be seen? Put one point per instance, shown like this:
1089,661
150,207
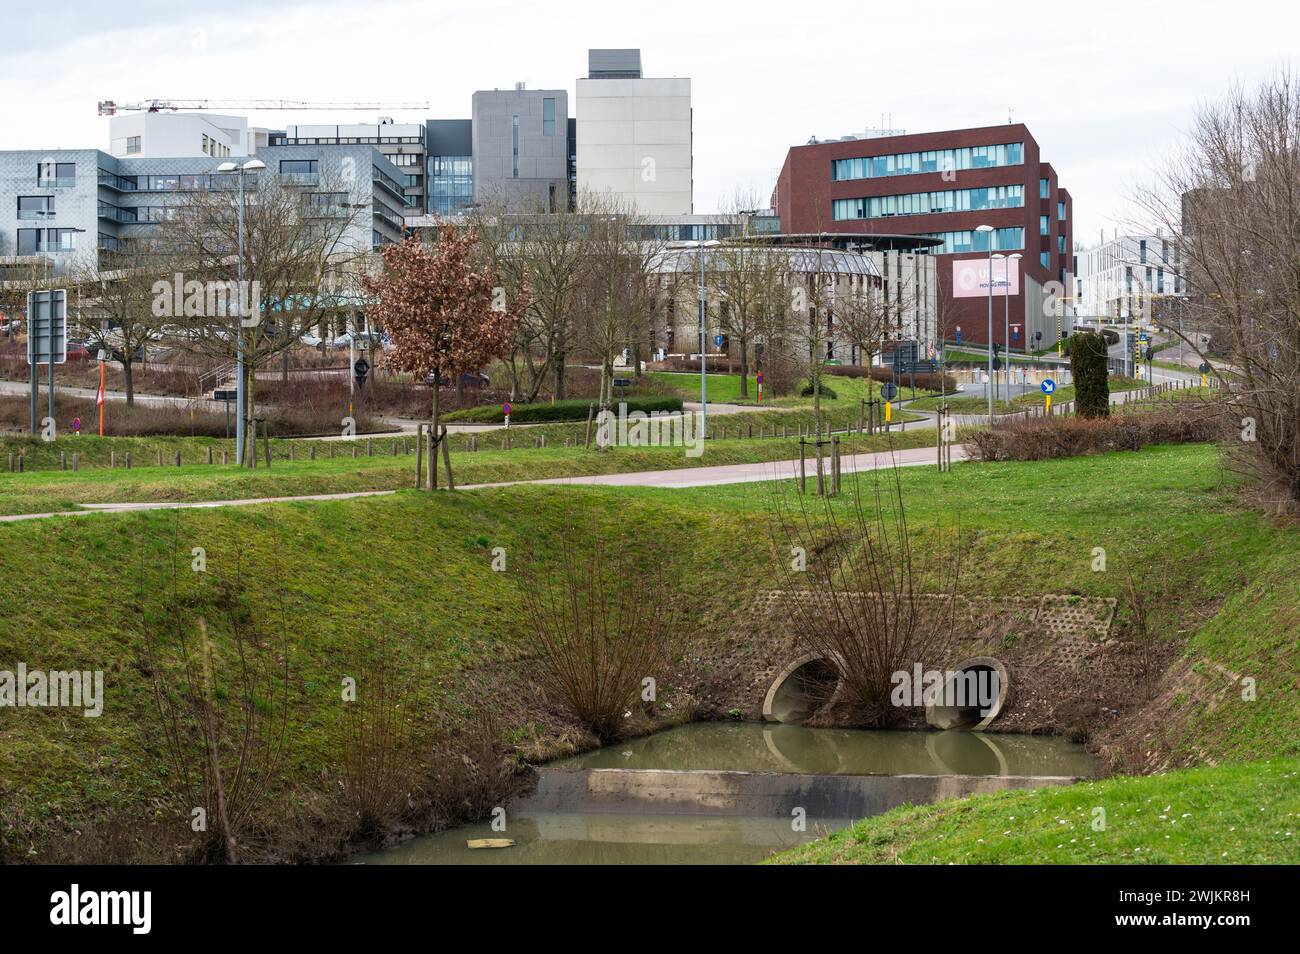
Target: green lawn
725,389
1228,814
47,491
414,570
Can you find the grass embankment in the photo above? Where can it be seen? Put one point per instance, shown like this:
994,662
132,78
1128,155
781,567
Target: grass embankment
49,491
417,568
1230,814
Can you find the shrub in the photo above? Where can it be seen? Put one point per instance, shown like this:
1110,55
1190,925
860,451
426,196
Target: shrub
1045,438
569,410
1088,355
827,391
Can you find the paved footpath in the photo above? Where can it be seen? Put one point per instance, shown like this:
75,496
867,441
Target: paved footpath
682,477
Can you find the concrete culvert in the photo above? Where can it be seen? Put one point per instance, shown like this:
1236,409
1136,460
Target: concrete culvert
974,692
801,689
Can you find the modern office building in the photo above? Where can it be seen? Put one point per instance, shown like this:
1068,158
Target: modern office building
154,135
58,206
402,144
944,186
1122,272
634,135
520,148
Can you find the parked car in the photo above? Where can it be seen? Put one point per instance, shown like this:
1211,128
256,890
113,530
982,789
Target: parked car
10,326
80,351
311,340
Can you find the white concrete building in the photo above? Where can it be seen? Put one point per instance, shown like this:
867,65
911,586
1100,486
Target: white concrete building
146,135
1123,269
634,135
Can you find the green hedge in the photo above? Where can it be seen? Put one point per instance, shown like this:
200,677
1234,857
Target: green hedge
570,410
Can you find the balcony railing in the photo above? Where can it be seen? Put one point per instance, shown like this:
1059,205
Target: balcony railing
35,213
301,178
55,182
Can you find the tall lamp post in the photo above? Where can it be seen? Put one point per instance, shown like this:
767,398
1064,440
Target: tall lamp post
704,344
987,230
253,165
1006,318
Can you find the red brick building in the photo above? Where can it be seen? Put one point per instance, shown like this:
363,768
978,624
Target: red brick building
944,185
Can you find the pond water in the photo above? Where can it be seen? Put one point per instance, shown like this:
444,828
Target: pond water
613,837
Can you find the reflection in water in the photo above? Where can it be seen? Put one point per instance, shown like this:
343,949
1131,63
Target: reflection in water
615,838
754,747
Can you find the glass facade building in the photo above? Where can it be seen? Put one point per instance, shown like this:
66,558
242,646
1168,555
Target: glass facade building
933,160
929,203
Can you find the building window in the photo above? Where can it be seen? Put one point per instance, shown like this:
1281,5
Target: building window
1060,211
299,165
934,160
29,241
132,145
1044,225
1060,244
1044,188
514,132
926,203
1045,259
1142,251
35,206
972,241
451,184
548,116
56,174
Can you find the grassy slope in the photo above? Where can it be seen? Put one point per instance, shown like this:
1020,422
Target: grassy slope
1232,814
356,569
725,389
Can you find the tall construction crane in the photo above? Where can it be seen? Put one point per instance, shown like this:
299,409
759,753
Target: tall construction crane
110,107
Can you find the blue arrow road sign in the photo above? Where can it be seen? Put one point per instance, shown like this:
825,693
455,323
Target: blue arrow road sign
717,340
1048,386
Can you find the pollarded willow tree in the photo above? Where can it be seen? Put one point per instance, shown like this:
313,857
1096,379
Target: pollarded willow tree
447,313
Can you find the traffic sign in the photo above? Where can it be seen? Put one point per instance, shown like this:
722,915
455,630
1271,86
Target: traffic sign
361,368
47,326
1048,386
1205,368
997,364
506,409
888,391
758,377
76,425
959,334
718,339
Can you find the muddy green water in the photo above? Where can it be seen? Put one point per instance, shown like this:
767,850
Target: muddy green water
610,838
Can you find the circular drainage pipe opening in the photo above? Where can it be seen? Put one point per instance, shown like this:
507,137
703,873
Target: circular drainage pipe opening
973,695
801,689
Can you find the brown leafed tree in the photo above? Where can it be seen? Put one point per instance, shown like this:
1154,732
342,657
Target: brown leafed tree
447,312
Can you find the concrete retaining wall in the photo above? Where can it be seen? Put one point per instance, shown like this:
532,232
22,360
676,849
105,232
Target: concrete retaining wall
753,794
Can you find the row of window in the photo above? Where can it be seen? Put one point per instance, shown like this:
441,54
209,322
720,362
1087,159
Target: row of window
933,160
926,203
451,184
36,207
211,147
970,240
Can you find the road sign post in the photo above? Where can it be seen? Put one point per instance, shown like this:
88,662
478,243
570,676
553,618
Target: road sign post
506,409
47,338
1048,388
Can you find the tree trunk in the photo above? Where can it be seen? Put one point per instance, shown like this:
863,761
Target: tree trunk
128,375
744,368
284,367
559,375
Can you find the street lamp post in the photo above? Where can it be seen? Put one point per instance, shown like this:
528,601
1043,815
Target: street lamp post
1006,319
988,387
253,165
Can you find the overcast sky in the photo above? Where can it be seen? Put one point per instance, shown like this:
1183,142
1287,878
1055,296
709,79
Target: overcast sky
1107,88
